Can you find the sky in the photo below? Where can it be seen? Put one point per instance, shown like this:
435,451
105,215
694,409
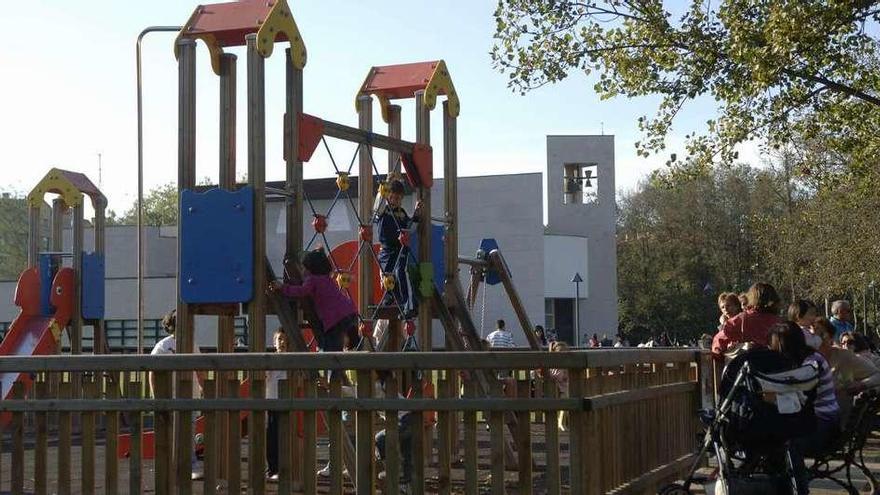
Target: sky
67,92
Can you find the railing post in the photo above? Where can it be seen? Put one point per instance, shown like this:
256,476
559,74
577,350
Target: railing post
577,439
364,432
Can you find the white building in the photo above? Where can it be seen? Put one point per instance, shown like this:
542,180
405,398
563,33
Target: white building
579,237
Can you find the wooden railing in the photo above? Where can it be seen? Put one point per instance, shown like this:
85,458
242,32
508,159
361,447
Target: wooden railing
631,421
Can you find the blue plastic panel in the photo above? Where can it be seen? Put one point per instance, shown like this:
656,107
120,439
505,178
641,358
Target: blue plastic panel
438,247
487,245
93,286
217,246
47,273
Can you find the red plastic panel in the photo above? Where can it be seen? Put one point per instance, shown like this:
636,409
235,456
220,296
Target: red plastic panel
419,166
230,22
27,292
399,81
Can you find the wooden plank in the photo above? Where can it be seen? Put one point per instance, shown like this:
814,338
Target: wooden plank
496,441
603,401
211,441
471,455
41,447
524,442
233,470
606,358
133,391
310,435
336,430
551,441
262,361
444,453
646,481
392,440
295,426
181,474
112,383
90,391
313,404
364,434
17,442
64,441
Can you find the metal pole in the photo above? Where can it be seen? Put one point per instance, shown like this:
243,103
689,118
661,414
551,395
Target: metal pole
423,136
257,308
186,178
140,180
577,314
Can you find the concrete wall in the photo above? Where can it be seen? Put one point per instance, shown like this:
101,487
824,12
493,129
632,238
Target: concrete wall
596,221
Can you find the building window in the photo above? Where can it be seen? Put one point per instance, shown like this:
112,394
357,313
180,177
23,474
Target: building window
579,184
559,319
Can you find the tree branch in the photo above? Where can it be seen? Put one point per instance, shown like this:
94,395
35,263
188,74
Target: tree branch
833,86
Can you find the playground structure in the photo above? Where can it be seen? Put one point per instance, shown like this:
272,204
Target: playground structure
53,296
222,260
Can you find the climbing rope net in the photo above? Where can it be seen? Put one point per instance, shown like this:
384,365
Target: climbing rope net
343,273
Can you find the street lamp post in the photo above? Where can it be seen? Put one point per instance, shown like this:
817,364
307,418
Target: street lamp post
577,312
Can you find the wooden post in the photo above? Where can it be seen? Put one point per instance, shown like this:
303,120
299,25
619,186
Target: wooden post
423,136
336,431
285,435
444,453
133,391
450,197
226,180
257,306
211,440
294,220
418,440
310,434
233,456
65,390
392,438
551,439
365,202
41,448
496,440
162,434
90,391
17,441
364,432
111,463
471,454
76,321
524,441
185,328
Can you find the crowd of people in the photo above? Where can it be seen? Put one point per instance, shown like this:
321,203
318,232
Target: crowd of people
846,362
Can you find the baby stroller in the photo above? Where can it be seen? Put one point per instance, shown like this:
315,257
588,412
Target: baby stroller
765,403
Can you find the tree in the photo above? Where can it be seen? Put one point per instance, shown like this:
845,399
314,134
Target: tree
13,236
160,207
775,69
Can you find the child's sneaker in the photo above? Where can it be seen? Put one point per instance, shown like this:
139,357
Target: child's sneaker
324,472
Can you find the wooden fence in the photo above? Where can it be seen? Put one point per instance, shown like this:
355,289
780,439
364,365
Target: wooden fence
631,422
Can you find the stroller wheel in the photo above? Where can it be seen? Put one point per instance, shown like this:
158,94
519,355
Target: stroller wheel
673,489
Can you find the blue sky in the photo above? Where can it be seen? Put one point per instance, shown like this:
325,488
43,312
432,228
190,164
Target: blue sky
67,91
